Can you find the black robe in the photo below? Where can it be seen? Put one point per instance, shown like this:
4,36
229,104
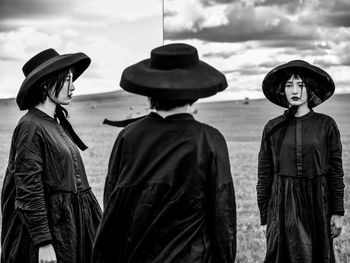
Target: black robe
300,186
169,195
46,197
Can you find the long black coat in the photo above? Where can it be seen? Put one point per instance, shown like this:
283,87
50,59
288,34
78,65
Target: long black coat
169,195
300,186
46,197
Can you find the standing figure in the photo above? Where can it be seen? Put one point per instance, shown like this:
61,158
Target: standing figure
169,195
300,185
49,213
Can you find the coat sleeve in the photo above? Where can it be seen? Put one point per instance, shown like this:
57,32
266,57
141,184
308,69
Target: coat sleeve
335,172
114,167
265,176
30,199
223,203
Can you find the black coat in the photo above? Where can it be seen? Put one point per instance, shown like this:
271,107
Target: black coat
46,197
300,186
169,195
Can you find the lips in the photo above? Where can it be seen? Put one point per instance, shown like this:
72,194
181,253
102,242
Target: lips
295,98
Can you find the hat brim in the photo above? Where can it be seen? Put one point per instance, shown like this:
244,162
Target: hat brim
272,81
79,62
193,82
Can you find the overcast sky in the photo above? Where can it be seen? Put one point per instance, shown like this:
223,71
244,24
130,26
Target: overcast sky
243,38
113,33
247,38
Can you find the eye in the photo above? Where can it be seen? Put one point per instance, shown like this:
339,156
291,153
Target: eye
68,78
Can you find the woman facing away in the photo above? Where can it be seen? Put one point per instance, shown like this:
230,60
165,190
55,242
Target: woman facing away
49,213
300,185
169,194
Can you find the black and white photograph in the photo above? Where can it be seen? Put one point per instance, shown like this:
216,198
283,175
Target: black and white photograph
171,131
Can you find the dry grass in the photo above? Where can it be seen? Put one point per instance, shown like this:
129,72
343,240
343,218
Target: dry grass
241,125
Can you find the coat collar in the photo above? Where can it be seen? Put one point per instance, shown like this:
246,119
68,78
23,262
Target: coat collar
41,114
177,116
306,116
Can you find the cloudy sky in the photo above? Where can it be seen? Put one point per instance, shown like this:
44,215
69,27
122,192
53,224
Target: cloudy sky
247,38
113,33
243,38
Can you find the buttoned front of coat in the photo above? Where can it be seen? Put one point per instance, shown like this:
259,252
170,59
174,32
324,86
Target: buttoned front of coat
300,185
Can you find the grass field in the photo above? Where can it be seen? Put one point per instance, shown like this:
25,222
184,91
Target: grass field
242,127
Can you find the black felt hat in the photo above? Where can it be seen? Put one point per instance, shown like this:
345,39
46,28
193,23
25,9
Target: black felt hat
174,71
274,92
46,63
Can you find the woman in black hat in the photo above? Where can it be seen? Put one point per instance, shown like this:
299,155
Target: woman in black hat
49,213
169,195
300,176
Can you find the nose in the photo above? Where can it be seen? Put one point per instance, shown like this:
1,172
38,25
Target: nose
295,89
72,87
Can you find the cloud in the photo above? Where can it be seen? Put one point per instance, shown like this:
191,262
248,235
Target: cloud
17,13
239,24
215,2
251,3
130,10
113,33
33,8
339,19
21,13
219,54
192,16
245,71
261,20
16,45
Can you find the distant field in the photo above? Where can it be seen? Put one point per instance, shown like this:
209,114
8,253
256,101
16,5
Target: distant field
241,125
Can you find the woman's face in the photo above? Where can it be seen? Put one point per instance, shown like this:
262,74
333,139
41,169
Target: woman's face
65,95
295,91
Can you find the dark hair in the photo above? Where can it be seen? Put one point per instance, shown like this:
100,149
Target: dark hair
166,104
55,80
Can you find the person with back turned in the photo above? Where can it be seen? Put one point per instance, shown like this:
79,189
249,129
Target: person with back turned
169,195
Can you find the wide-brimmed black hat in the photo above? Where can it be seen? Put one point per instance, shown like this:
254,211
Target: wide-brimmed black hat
46,63
174,71
274,92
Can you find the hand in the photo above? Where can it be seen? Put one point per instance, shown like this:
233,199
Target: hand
336,225
47,254
263,229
